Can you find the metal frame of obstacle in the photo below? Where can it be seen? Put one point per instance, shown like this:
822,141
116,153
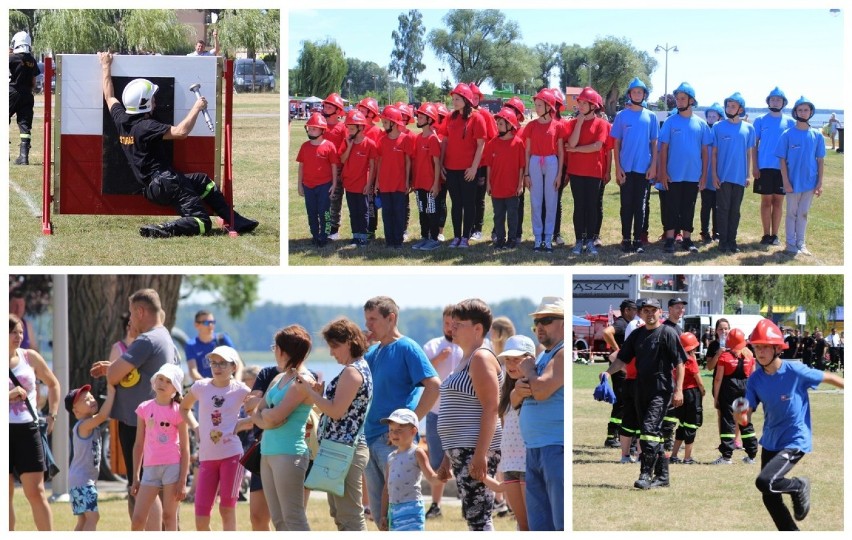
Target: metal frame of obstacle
73,196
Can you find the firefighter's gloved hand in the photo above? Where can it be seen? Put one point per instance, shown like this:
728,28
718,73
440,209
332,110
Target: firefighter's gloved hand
603,392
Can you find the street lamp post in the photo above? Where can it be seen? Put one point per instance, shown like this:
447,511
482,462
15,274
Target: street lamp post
657,49
375,85
349,89
590,67
442,70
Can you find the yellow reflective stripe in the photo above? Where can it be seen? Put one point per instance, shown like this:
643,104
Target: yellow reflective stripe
615,420
207,191
670,419
628,430
200,225
651,438
691,426
26,136
726,435
748,435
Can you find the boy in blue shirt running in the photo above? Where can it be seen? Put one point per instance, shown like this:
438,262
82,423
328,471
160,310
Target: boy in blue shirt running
801,151
733,140
782,387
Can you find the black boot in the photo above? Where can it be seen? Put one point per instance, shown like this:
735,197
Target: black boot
661,473
243,224
24,155
220,206
156,231
647,467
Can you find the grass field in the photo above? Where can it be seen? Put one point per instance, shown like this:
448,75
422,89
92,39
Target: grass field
113,516
825,228
702,496
114,240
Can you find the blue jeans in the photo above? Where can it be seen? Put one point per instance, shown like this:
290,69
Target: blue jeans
433,441
545,488
318,206
379,452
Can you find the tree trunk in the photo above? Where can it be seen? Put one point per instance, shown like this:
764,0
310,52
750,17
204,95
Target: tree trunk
95,305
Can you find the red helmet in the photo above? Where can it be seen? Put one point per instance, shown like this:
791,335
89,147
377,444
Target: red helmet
370,104
356,118
394,115
736,340
442,110
517,104
546,95
334,99
509,116
317,120
767,333
464,91
406,111
475,89
559,97
428,110
688,341
589,95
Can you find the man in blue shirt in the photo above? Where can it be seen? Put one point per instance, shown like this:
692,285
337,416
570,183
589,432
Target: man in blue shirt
403,378
782,387
203,344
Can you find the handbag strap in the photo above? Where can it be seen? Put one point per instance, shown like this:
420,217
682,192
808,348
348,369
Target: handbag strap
26,400
325,418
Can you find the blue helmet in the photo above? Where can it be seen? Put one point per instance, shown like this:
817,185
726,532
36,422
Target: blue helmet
717,109
637,83
803,101
687,89
777,92
736,96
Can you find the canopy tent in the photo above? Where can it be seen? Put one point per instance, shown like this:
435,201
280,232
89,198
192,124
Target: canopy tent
312,100
581,321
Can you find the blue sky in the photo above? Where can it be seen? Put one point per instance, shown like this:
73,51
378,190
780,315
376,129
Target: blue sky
720,50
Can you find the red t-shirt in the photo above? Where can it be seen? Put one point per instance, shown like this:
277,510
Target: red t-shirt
586,163
316,162
462,138
690,372
505,159
490,124
374,133
356,170
393,155
728,362
336,133
424,150
630,370
543,137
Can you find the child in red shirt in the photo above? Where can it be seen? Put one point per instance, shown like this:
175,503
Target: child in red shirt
358,154
505,159
332,110
735,365
369,107
318,163
426,176
393,170
690,415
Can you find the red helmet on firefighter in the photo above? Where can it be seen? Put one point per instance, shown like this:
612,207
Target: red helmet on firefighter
767,333
317,121
334,99
356,118
688,341
406,111
589,95
393,115
517,104
428,110
509,116
464,91
736,340
370,104
442,110
546,95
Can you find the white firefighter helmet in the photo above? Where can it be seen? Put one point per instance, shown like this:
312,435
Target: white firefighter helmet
138,96
22,42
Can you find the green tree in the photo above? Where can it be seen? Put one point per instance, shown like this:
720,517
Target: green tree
407,55
817,294
571,60
473,42
367,78
155,31
235,292
547,58
514,67
619,62
77,31
321,68
20,20
427,91
251,29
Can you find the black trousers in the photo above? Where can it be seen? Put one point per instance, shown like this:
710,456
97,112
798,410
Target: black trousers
613,428
708,211
428,207
184,193
690,415
653,405
359,214
729,198
633,193
441,201
772,484
481,186
336,206
665,213
599,216
681,205
557,225
463,196
393,216
505,210
730,390
585,191
21,106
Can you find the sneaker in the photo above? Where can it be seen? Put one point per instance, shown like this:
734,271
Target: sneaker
591,249
431,245
722,460
465,243
675,459
511,244
766,239
669,246
597,242
706,238
420,244
611,443
441,238
548,247
334,236
637,247
455,243
627,459
363,242
499,244
434,511
501,509
689,246
689,461
537,247
559,241
626,246
775,241
791,250
733,248
476,237
748,460
804,251
578,248
802,500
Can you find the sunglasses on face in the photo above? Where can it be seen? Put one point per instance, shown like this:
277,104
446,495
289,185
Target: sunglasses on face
205,323
221,365
545,321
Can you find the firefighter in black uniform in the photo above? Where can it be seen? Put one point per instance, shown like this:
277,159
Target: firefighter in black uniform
736,363
23,70
677,306
614,336
141,139
659,360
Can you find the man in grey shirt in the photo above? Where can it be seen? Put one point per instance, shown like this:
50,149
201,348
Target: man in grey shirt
200,47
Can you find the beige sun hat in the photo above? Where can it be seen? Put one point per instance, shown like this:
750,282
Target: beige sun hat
550,305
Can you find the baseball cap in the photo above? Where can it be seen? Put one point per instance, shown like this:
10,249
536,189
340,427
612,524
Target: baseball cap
226,352
627,304
518,346
72,396
649,302
401,416
674,301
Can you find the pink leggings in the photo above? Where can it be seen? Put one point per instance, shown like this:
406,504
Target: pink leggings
222,474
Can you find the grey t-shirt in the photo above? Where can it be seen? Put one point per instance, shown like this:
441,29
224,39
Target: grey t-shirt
147,353
404,476
87,458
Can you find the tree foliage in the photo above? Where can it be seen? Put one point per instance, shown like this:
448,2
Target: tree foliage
516,67
428,91
571,70
547,58
362,75
473,42
155,31
77,31
818,294
407,55
321,68
235,292
20,20
619,62
251,29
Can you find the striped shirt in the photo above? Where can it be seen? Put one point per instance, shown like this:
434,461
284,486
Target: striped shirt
461,411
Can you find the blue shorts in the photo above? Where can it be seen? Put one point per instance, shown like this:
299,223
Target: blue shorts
160,475
407,516
83,499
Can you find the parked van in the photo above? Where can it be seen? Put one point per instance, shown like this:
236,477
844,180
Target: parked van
697,324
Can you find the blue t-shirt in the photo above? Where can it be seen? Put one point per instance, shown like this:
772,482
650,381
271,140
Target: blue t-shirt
786,408
709,183
801,148
543,422
636,130
733,142
198,350
686,138
397,369
768,130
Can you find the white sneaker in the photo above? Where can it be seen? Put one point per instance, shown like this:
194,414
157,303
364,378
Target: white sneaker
722,461
441,238
559,241
476,237
335,236
748,461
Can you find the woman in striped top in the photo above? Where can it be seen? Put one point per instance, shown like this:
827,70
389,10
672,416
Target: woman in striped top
467,423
